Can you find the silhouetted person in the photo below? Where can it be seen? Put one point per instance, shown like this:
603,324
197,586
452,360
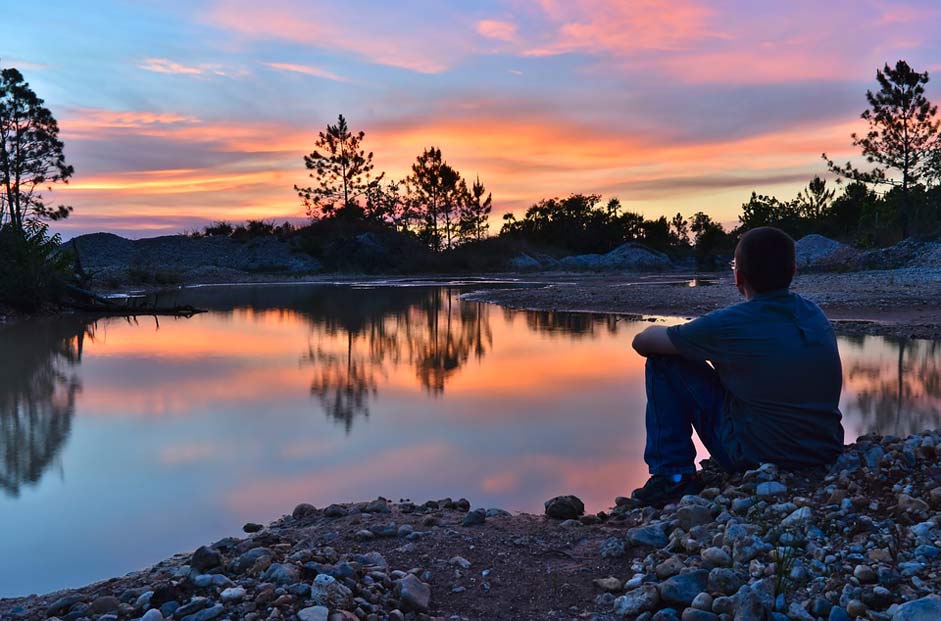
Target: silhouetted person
772,391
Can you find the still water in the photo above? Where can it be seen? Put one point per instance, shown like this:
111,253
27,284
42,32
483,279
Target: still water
124,442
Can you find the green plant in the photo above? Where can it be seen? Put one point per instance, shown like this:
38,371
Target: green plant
33,269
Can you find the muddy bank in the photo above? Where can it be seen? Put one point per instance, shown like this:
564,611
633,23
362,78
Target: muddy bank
859,540
901,303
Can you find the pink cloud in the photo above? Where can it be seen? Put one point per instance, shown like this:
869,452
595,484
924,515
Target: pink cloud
164,65
307,70
497,29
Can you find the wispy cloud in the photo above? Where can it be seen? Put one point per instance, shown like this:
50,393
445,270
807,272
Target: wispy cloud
165,65
307,70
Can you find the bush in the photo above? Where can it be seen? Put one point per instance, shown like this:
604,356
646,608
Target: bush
33,269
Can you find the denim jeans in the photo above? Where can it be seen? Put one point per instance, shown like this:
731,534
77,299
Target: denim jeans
683,395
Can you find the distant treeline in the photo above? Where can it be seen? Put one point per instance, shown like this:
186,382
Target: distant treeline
899,194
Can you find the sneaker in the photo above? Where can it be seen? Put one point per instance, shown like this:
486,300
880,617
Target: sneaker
660,489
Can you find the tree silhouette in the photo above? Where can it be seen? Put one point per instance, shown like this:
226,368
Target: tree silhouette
680,228
435,193
813,201
31,156
343,170
475,212
902,136
710,238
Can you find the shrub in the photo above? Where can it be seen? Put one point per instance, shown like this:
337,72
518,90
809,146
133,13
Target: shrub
32,268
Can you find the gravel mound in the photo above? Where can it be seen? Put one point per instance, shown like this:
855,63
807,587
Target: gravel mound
626,257
820,252
110,257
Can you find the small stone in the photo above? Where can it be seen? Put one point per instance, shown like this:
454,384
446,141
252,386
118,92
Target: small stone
380,505
716,557
637,601
725,581
689,516
152,615
205,558
648,535
856,608
414,593
924,609
303,510
669,567
313,613
695,614
797,517
682,589
564,508
703,601
770,488
865,574
612,547
474,518
282,574
838,614
206,614
460,561
609,584
233,594
335,511
108,603
252,527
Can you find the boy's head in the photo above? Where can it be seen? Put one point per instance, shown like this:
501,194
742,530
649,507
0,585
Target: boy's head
764,260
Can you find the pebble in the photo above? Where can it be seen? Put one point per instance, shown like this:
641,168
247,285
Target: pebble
639,600
313,613
414,593
152,615
683,588
474,518
770,488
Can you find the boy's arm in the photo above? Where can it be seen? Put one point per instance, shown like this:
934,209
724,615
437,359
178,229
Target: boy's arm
654,340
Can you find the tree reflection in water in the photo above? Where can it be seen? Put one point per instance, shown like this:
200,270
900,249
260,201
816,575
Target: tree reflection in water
38,386
353,347
897,388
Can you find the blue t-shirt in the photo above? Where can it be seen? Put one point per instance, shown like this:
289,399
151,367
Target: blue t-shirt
777,357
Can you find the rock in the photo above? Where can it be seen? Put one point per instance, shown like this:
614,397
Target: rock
206,614
669,567
838,614
282,574
649,535
313,613
796,612
695,614
414,593
797,517
247,560
924,609
494,512
911,505
564,507
152,615
204,559
335,511
232,594
752,604
683,588
724,581
639,600
689,516
303,510
865,574
716,557
612,547
856,608
460,561
328,591
609,584
63,604
252,527
191,607
703,601
380,505
770,488
474,518
107,603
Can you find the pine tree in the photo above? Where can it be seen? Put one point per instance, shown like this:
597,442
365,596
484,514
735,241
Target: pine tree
475,214
433,189
343,171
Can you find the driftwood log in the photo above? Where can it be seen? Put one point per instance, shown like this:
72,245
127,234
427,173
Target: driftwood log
88,301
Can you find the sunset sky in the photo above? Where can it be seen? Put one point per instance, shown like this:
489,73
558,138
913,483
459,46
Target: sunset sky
176,113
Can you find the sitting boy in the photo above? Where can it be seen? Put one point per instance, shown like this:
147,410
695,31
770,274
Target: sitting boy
770,392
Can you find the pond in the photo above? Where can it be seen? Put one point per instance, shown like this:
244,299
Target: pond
123,442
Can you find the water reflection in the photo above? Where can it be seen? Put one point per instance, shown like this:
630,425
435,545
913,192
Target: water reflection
281,394
893,385
37,396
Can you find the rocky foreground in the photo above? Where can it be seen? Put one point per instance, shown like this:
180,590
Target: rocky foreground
860,541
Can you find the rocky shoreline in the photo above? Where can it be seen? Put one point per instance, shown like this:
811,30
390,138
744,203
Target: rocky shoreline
861,540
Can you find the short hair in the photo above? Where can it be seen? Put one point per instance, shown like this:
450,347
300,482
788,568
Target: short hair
765,257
